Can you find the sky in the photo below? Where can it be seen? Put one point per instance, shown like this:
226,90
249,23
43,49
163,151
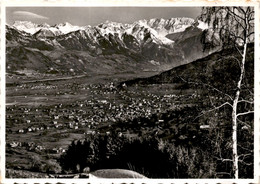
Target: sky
83,16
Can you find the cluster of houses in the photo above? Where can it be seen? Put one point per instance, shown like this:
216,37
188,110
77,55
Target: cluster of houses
31,146
103,107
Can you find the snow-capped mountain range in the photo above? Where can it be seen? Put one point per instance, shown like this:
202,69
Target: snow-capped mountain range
169,42
57,29
159,28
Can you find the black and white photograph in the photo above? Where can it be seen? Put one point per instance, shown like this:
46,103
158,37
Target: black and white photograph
130,92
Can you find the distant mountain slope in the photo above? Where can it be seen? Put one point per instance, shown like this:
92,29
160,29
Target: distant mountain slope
219,70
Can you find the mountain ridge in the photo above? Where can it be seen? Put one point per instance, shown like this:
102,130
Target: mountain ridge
139,45
211,69
32,28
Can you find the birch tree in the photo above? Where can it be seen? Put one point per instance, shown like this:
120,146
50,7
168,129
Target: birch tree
232,27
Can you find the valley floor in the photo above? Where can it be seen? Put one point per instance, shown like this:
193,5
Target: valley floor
44,116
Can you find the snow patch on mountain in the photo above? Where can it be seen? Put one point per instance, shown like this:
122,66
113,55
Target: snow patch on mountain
67,28
47,32
168,26
159,28
202,25
26,26
157,34
32,28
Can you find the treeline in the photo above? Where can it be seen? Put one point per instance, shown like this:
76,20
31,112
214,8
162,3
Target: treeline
149,156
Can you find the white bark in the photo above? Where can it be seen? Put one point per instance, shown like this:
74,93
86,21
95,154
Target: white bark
234,113
242,17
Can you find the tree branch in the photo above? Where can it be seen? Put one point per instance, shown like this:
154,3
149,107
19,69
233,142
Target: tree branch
239,50
210,100
250,91
230,160
246,101
207,86
244,113
245,148
250,34
218,107
233,12
225,160
249,15
250,19
244,155
244,123
243,162
235,17
233,34
240,10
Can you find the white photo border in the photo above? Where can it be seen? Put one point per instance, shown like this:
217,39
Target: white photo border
130,3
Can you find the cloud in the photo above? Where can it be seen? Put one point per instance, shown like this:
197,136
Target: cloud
28,15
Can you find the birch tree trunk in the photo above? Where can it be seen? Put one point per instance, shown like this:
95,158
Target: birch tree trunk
235,24
234,113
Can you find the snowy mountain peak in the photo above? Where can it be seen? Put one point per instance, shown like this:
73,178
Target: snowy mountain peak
67,27
26,26
159,25
201,25
44,25
64,24
163,22
156,29
47,32
166,26
111,25
154,40
57,29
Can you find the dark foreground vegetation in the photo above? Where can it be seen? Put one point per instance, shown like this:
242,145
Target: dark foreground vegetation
149,156
187,151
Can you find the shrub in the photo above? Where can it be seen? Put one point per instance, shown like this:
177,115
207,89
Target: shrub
50,166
